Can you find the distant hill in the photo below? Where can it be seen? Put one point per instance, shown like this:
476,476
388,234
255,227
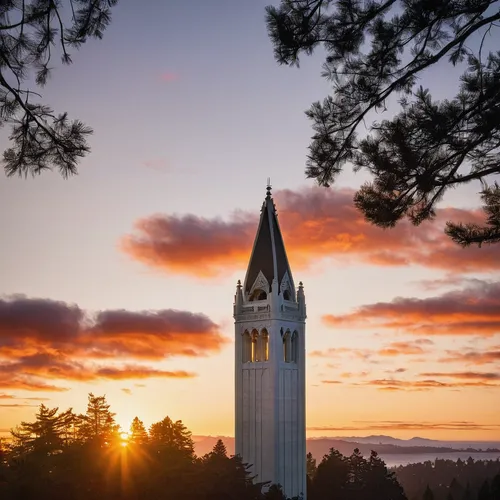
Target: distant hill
385,445
419,441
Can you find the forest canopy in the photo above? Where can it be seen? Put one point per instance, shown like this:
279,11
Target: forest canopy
87,456
62,454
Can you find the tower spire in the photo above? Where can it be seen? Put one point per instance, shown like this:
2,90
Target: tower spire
268,261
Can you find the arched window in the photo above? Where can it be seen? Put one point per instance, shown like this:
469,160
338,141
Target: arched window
255,346
247,347
286,295
258,294
295,347
287,347
264,345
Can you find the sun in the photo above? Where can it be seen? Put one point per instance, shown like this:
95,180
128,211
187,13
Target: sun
124,436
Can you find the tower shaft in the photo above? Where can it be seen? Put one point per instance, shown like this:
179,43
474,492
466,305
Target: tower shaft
270,363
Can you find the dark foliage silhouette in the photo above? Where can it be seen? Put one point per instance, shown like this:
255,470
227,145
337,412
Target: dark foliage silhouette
31,31
450,480
354,478
376,51
62,455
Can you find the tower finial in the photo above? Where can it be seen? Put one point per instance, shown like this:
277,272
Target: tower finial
268,189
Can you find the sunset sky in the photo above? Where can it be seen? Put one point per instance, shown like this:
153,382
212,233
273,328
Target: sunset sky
120,281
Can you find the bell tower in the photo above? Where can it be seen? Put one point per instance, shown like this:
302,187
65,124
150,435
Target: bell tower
269,318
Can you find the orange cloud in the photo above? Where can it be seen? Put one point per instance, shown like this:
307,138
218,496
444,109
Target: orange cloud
475,310
405,348
472,357
427,384
464,375
42,340
329,226
29,326
17,405
26,383
354,375
12,397
192,245
397,370
60,367
337,352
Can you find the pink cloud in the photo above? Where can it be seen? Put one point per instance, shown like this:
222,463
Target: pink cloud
168,76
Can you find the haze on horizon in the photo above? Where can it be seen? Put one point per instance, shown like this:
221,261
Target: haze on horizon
120,280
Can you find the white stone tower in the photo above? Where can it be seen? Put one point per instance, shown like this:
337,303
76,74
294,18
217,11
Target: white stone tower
269,319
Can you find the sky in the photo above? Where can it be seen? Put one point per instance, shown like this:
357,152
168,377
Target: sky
120,281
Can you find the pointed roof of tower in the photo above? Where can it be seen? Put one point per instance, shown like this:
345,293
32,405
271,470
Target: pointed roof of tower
268,253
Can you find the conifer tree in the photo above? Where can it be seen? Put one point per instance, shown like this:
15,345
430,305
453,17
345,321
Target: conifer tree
428,494
310,465
376,52
31,31
219,449
173,435
138,433
467,492
98,424
484,491
46,435
380,482
495,487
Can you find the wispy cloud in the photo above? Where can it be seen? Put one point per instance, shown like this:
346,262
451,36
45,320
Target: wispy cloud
485,376
400,425
397,370
339,352
419,346
61,367
474,310
158,164
354,374
19,381
17,405
15,398
452,280
473,357
391,384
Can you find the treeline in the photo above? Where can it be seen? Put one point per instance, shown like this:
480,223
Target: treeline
339,477
63,455
450,480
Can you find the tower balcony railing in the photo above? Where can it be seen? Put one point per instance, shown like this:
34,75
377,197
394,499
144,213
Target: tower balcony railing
288,306
256,307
